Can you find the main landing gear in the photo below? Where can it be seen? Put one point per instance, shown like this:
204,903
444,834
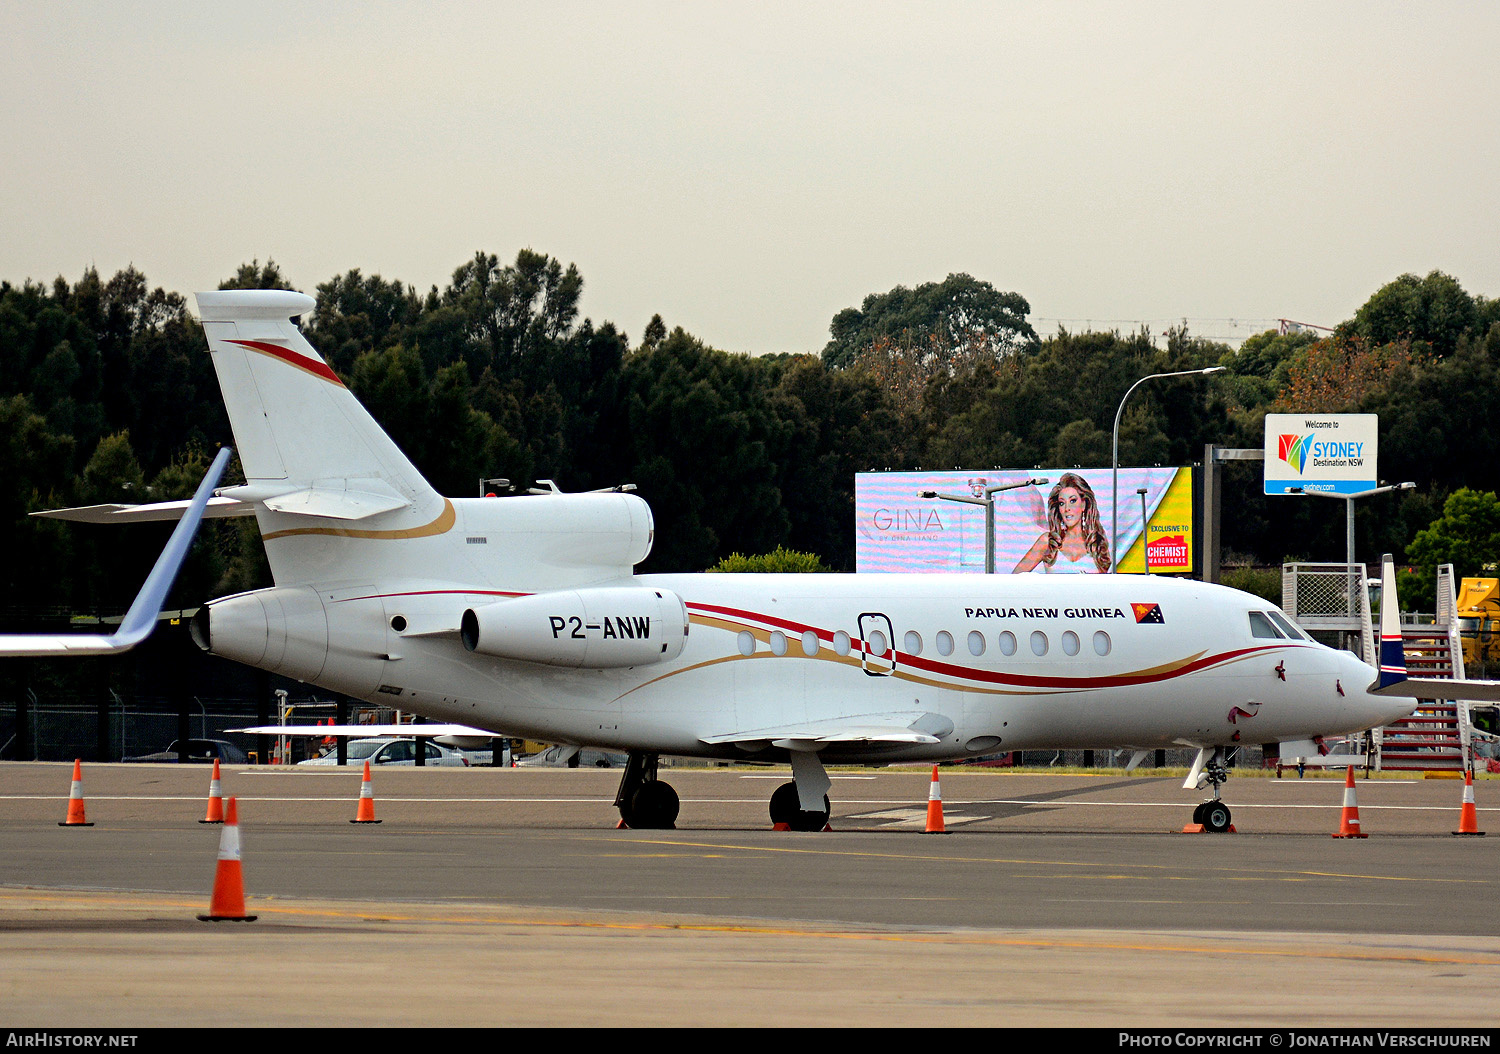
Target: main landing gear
648,803
803,804
1209,768
645,802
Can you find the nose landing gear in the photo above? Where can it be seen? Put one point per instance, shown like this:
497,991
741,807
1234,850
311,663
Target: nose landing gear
1212,815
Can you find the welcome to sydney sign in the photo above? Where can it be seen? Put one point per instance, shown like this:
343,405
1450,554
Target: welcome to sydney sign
1332,453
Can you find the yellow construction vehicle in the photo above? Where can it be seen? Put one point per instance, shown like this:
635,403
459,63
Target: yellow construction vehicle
1479,624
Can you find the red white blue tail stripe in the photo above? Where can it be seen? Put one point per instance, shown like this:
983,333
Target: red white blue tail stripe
1392,650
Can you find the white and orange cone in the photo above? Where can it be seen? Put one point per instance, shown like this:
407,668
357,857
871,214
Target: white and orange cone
935,806
75,799
366,811
215,798
227,903
1468,816
1349,819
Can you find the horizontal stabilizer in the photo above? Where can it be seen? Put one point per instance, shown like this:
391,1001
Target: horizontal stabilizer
158,512
140,620
899,729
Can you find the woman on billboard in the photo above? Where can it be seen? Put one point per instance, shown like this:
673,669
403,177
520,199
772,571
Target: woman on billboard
1075,541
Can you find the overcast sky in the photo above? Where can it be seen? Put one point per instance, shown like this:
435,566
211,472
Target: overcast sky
749,169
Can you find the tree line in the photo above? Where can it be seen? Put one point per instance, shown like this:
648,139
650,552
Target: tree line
107,394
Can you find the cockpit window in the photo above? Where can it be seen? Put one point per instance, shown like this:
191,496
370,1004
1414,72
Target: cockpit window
1286,625
1260,626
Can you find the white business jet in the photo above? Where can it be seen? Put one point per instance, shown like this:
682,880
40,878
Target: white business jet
523,615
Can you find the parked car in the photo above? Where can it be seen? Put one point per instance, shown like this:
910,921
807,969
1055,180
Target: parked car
389,750
573,758
202,751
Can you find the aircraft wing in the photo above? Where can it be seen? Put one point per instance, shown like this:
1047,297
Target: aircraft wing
895,729
140,620
367,730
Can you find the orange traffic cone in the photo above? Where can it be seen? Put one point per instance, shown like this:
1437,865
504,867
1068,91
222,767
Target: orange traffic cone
366,811
1468,816
935,806
1349,819
227,904
75,799
215,798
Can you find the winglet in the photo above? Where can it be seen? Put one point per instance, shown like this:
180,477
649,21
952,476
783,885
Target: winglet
140,620
1392,650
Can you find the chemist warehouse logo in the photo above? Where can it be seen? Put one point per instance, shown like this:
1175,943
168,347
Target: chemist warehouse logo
1293,450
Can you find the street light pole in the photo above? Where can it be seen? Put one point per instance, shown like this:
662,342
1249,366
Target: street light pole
1349,500
1145,555
988,501
1114,499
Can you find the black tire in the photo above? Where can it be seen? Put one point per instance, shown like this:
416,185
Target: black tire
786,807
812,821
1198,811
654,807
1215,817
784,804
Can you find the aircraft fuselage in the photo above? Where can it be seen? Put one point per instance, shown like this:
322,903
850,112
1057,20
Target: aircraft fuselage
978,664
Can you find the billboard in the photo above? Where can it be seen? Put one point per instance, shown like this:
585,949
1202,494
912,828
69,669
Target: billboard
1333,453
1061,527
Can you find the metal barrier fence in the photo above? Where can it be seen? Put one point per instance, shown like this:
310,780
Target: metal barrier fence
64,731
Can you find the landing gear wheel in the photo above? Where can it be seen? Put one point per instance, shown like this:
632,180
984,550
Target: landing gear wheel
813,821
653,807
1198,812
1215,817
786,807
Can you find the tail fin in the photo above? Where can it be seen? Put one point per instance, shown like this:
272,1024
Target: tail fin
314,458
1392,649
296,426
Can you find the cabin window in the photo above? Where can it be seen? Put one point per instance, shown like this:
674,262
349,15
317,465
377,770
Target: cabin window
944,642
747,643
1101,643
976,642
1070,643
913,642
778,642
877,643
1286,625
1007,642
1038,642
841,642
809,643
1260,626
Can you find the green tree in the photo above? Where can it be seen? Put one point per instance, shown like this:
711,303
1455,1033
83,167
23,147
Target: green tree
1434,310
517,312
703,436
779,561
1467,535
356,314
255,276
961,310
